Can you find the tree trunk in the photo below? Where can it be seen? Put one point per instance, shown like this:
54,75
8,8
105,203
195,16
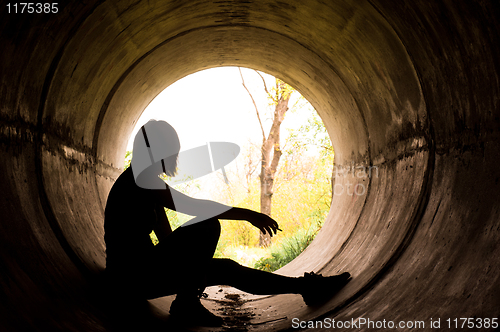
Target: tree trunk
266,192
271,151
271,154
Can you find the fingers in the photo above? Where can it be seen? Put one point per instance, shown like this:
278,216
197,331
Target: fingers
273,226
270,229
268,225
267,230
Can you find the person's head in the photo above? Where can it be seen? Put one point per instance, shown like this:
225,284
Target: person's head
156,149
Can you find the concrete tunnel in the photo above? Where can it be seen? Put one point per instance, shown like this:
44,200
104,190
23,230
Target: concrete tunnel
410,88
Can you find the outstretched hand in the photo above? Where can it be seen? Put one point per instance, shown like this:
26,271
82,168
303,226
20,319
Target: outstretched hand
265,223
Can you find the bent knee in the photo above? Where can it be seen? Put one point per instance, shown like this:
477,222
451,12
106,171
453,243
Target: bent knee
208,226
213,224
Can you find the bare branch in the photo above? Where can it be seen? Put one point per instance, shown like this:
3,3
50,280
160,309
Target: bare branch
265,87
251,171
251,164
254,104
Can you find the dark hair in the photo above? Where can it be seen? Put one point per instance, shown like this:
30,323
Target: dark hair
170,165
156,141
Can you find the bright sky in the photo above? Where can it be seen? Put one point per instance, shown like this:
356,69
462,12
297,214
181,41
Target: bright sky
213,105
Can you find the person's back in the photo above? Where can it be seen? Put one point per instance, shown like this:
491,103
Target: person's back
129,219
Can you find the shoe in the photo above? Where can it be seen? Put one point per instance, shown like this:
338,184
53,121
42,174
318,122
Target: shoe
190,312
319,289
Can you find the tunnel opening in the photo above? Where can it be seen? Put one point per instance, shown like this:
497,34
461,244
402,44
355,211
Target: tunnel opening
397,87
382,130
241,110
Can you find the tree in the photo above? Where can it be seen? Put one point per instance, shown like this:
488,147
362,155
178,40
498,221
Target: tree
271,150
314,134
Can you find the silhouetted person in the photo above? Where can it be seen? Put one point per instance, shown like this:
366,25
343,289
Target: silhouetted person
182,262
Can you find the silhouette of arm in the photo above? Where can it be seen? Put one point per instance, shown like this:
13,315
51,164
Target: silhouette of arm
175,200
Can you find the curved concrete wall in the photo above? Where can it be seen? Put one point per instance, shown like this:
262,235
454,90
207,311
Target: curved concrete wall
408,89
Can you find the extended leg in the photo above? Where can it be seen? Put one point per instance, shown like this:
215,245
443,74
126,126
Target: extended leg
314,288
225,271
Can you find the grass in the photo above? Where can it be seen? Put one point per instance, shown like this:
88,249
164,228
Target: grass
284,252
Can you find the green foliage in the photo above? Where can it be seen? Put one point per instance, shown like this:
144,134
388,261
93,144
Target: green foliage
313,134
280,91
153,237
301,202
176,219
289,248
128,160
220,250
